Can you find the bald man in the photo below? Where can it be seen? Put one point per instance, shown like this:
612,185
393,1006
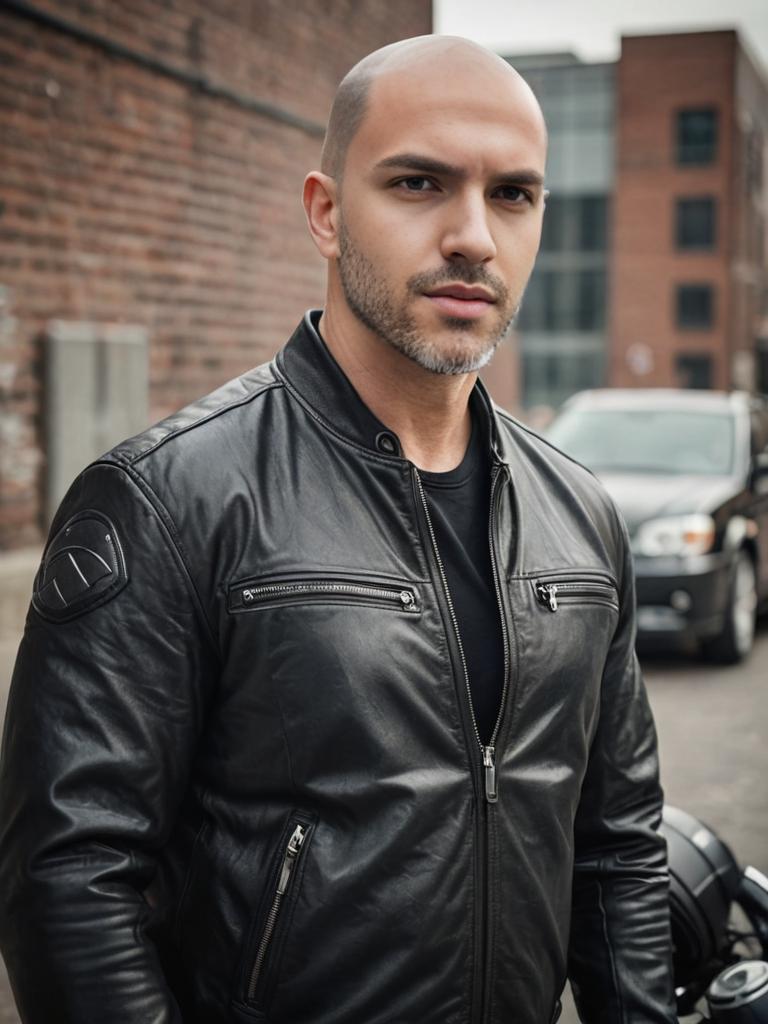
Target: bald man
327,710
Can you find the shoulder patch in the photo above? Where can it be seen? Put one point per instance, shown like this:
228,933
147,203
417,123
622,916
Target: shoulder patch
83,567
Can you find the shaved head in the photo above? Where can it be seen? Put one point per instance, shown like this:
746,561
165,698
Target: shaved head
440,55
429,202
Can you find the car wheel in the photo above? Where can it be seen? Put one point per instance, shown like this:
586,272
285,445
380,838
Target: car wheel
734,641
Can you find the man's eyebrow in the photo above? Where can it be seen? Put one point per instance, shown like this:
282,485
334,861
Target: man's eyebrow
417,162
428,165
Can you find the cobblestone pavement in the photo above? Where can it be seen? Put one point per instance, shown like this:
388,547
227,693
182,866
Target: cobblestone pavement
713,724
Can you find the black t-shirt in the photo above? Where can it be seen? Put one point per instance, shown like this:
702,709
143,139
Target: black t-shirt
459,506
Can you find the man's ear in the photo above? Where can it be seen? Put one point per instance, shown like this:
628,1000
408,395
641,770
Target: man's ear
320,205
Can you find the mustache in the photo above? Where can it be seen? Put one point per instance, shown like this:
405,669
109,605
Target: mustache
459,273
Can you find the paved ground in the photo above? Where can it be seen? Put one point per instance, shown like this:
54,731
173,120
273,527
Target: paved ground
713,731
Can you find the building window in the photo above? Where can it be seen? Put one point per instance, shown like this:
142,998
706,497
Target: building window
590,300
553,229
694,371
593,215
695,223
694,306
696,136
575,224
551,377
564,300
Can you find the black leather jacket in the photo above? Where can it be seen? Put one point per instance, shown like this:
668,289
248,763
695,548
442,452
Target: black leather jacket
241,776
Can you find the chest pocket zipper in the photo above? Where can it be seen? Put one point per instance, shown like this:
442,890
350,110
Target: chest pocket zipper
287,870
554,592
246,596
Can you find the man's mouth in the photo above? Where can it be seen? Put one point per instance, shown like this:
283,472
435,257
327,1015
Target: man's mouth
461,300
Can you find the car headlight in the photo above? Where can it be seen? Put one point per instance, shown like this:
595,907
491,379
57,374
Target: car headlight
675,535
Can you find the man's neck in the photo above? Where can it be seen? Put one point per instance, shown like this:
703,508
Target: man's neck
428,411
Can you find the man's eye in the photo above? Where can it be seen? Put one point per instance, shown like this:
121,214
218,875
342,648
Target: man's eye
416,184
513,194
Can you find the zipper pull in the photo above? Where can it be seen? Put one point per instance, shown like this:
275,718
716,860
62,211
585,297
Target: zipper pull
289,860
548,595
489,763
406,598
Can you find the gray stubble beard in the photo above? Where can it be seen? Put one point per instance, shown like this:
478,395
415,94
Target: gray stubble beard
372,304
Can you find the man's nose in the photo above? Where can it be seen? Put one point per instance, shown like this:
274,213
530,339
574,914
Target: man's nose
467,234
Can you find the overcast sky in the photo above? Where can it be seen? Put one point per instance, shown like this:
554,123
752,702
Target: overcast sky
591,28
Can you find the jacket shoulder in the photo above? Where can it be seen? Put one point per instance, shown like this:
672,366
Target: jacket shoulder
527,440
223,407
550,463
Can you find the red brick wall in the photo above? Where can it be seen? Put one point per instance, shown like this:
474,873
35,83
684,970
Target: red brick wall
657,76
129,196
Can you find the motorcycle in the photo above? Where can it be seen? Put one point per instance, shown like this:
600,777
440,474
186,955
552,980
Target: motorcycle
719,927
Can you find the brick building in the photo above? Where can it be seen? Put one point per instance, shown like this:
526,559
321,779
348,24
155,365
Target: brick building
653,268
689,302
152,241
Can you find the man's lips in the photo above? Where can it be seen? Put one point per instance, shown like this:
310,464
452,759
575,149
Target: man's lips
461,300
465,292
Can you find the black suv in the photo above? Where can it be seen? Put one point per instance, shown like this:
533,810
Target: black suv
689,470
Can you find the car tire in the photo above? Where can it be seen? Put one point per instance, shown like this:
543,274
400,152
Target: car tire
734,641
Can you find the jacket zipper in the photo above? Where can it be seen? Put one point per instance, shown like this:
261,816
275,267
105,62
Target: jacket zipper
549,593
504,632
290,858
487,752
405,599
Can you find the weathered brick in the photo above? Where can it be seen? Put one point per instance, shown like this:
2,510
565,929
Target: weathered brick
128,196
657,77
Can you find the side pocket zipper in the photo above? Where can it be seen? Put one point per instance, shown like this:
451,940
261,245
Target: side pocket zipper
290,858
549,593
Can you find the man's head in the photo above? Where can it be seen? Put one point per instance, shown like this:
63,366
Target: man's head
428,206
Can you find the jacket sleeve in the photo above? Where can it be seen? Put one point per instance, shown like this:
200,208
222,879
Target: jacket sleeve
106,704
620,962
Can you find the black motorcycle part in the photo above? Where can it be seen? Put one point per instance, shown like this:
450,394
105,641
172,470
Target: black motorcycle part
739,995
704,879
752,897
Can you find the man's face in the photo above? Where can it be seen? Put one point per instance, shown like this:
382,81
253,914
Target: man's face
440,213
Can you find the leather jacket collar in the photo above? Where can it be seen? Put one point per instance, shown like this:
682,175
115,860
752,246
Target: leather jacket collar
310,371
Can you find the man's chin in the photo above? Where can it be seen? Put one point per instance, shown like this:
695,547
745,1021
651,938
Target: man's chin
451,363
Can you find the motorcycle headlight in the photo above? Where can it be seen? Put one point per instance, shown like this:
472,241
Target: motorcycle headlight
675,535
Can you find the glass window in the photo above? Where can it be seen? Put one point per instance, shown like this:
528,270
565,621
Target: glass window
564,300
694,306
592,223
590,301
553,229
695,223
697,136
694,371
574,224
638,440
549,378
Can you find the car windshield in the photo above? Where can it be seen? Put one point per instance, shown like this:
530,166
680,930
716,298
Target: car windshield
646,440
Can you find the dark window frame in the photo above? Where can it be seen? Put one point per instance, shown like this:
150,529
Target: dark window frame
683,245
576,223
565,300
688,321
692,153
697,362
